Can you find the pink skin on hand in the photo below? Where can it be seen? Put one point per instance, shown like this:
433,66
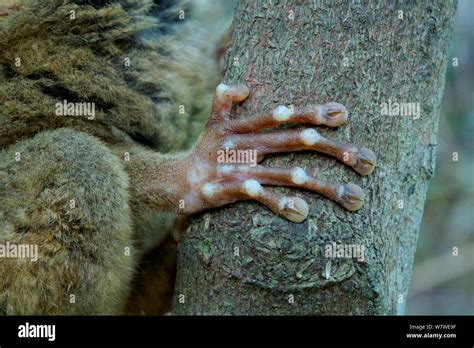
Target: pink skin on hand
210,183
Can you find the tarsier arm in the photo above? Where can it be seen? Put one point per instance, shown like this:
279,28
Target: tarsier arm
197,180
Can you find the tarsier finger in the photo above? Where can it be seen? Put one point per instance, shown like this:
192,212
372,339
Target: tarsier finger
362,160
349,196
293,208
224,97
329,114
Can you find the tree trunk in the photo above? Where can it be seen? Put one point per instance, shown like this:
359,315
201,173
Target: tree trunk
243,259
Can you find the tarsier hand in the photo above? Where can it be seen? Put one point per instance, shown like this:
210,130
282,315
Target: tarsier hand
215,179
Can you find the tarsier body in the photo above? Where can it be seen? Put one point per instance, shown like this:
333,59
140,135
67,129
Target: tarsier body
96,192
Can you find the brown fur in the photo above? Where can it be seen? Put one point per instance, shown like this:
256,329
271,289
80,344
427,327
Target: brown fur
82,250
82,59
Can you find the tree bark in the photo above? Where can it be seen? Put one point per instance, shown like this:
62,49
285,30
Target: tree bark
243,259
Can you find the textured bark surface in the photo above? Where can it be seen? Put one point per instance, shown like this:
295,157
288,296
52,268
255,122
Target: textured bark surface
242,259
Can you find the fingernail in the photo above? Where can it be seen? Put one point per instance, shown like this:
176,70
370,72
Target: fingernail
295,209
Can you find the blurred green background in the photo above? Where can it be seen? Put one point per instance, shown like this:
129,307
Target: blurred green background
443,283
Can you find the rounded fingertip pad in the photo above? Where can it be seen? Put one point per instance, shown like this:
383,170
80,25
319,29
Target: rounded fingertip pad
294,209
252,187
366,161
209,189
225,169
310,137
240,92
335,114
298,176
351,197
281,113
222,88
